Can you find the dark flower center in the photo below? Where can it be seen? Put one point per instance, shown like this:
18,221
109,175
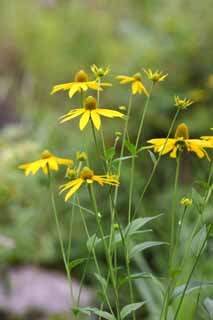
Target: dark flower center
81,76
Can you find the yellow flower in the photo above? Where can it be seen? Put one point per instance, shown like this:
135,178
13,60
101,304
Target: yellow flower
90,111
137,85
182,103
186,202
86,176
99,72
46,162
180,142
81,83
208,138
155,76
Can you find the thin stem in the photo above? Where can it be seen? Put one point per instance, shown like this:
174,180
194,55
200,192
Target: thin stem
95,258
70,234
173,211
191,273
60,237
156,163
143,116
132,172
122,147
108,257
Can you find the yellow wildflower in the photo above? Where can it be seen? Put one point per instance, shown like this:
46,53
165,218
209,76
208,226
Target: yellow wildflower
86,176
208,138
186,202
155,76
182,103
180,142
99,72
46,162
137,85
90,111
81,83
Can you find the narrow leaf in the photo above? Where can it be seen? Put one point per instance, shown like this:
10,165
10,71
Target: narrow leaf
92,242
152,156
193,285
198,240
139,223
76,262
123,158
130,308
143,246
101,279
131,147
100,313
109,153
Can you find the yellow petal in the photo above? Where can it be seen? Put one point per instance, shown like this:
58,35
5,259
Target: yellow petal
69,184
73,190
125,79
52,164
69,116
96,119
135,88
64,86
45,169
74,88
66,162
109,113
84,119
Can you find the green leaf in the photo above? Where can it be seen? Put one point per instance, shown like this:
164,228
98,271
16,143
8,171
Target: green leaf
198,200
100,313
131,147
101,279
134,276
193,285
208,303
75,263
138,223
124,158
152,156
109,153
143,246
130,308
92,242
198,240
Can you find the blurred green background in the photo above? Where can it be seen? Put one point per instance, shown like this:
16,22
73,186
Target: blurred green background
43,43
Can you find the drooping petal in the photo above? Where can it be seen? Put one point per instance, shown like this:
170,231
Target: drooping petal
94,85
84,119
109,113
125,79
73,190
69,185
96,119
66,162
64,86
52,163
71,115
74,88
45,169
173,154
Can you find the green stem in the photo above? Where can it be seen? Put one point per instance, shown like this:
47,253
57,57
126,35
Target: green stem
108,257
122,147
95,257
70,234
173,212
132,172
191,273
156,164
143,116
60,238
